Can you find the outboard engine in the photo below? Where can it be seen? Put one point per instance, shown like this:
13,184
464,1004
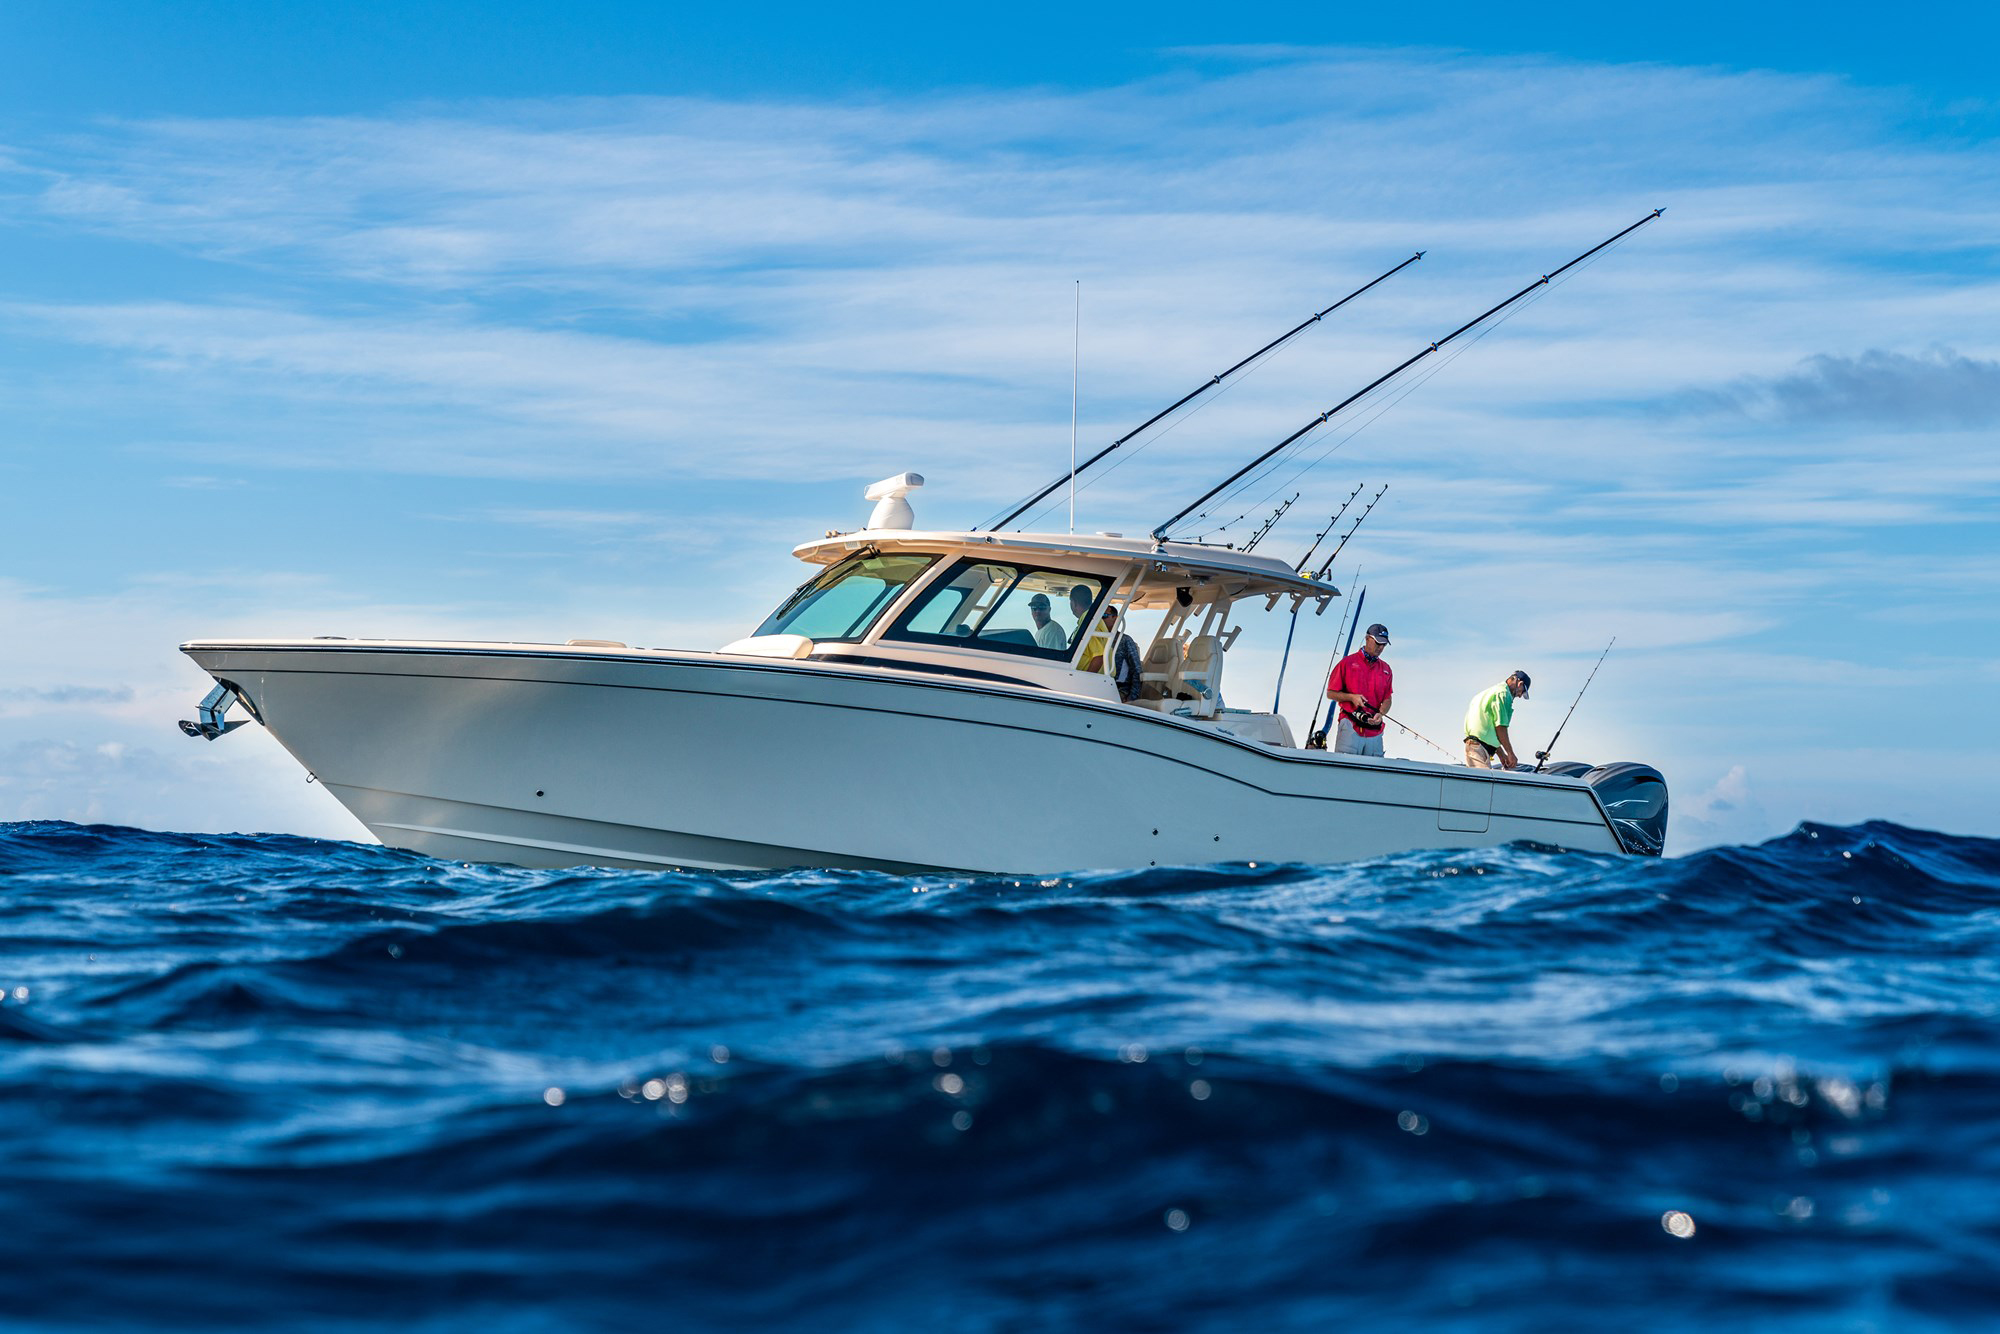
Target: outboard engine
1566,768
1635,797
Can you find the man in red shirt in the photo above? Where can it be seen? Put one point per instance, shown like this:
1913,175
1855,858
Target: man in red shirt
1362,684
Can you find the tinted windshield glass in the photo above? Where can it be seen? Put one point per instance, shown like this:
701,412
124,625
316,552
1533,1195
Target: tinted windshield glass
1004,608
843,602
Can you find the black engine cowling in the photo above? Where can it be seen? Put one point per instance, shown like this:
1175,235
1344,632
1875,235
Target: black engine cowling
1634,795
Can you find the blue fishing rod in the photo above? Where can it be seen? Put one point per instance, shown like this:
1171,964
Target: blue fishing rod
1313,733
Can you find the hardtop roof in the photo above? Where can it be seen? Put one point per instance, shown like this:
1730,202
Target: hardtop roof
1238,574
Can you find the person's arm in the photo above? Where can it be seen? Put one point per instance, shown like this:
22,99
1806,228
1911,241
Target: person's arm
1506,746
1129,668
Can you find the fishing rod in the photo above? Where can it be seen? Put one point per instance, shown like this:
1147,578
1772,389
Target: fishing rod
1306,559
1542,756
1278,694
1184,399
1327,568
1270,523
1160,533
1283,662
1419,736
1313,730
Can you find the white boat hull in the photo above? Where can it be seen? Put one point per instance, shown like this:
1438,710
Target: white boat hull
556,757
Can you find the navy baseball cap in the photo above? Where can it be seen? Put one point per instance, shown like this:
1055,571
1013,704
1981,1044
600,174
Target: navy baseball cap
1525,683
1379,632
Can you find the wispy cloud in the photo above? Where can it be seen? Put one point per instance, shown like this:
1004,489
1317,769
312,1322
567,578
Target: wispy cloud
756,289
28,700
1939,388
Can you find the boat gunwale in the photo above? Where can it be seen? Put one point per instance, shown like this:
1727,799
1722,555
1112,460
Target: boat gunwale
914,675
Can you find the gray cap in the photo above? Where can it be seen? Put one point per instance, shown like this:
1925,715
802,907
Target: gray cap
1039,600
1525,683
1379,632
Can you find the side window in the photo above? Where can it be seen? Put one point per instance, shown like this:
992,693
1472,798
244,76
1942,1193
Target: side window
956,606
1005,609
1043,610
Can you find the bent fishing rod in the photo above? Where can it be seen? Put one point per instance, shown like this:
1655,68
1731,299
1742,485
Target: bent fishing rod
1542,756
1419,736
1160,533
1187,398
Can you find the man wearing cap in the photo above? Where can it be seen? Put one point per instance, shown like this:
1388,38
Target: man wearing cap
1362,684
1486,722
1047,633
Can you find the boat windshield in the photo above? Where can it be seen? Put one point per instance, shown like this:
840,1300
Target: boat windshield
1037,613
844,601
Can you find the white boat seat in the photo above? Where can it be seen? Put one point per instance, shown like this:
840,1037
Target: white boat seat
1201,672
1158,668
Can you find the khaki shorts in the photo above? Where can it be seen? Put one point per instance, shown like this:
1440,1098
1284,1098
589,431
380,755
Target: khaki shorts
1479,755
1351,742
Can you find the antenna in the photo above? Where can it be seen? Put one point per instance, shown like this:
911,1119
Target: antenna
1193,394
1075,358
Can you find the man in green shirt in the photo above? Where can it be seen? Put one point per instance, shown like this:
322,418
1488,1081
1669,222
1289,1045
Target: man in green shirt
1487,719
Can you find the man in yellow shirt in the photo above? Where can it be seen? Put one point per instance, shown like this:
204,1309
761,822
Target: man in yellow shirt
1486,721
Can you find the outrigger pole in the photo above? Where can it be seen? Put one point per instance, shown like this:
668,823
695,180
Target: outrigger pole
1542,756
1160,533
1183,400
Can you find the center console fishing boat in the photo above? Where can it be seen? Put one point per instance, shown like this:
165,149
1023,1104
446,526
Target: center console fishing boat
925,701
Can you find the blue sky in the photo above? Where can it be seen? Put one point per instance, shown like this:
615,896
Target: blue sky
538,322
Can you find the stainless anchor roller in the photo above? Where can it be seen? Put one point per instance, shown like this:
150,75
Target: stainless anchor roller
208,724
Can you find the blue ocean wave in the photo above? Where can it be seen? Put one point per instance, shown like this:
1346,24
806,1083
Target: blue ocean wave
255,1080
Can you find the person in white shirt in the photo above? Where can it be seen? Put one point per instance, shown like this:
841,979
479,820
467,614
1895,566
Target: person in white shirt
1047,633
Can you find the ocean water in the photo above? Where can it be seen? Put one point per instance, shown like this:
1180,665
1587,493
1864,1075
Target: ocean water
262,1081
